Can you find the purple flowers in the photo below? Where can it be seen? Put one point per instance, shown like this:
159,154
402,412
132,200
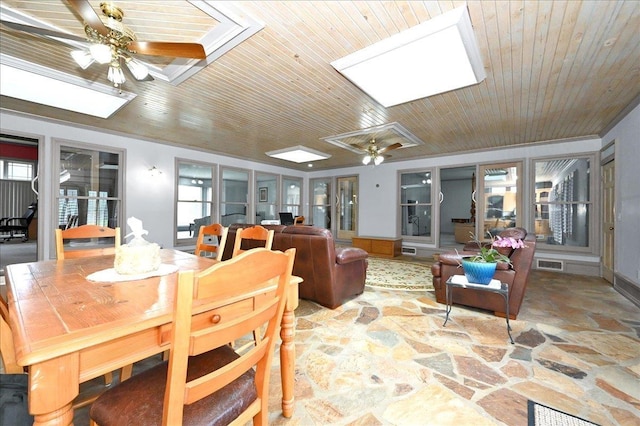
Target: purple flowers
507,242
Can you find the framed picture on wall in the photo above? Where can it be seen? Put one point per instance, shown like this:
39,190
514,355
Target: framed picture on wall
263,194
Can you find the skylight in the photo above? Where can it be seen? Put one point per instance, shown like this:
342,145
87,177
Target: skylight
430,58
298,154
35,83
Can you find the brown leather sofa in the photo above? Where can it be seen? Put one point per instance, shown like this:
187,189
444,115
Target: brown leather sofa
516,276
331,275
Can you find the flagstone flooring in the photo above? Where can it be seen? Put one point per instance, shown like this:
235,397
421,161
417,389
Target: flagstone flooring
385,358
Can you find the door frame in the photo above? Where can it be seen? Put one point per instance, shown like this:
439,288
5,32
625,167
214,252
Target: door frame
353,232
608,191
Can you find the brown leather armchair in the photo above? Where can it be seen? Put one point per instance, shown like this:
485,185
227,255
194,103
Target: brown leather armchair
331,275
515,275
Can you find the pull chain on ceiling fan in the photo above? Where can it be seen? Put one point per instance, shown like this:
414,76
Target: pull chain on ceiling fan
112,42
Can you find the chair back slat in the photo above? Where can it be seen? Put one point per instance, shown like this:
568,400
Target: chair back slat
256,232
253,285
215,230
234,329
86,232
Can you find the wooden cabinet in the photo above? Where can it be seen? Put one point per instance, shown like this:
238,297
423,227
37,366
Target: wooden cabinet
379,246
463,232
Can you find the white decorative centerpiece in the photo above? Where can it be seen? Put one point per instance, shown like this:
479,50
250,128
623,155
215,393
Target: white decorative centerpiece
138,256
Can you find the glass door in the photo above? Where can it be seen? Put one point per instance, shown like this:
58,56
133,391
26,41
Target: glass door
347,207
501,198
266,197
457,208
321,202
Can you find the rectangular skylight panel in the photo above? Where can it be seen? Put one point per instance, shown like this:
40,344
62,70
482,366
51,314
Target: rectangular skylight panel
53,88
298,154
434,57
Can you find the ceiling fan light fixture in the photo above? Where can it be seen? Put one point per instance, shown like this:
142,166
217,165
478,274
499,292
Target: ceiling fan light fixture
366,160
115,75
101,53
378,160
137,68
83,58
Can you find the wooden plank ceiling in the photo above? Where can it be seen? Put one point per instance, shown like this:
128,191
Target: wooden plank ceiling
555,70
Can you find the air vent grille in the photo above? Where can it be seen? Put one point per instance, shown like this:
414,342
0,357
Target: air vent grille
552,265
410,251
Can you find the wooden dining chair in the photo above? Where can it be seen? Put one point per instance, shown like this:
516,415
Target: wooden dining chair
299,220
205,381
91,232
86,232
256,232
216,231
7,350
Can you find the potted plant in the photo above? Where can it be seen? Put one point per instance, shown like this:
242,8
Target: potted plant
480,268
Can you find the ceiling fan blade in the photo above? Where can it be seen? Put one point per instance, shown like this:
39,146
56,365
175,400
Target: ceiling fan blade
90,17
364,147
42,31
161,48
390,147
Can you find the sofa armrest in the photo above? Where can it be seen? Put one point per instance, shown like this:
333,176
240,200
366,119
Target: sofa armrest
455,259
349,254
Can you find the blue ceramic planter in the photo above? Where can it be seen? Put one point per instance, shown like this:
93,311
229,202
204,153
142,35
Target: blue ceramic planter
478,272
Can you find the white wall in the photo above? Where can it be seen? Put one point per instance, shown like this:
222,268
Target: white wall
379,185
627,195
152,201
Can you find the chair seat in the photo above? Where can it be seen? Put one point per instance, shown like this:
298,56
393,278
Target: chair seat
139,400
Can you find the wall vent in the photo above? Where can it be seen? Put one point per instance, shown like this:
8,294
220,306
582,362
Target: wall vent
552,265
410,251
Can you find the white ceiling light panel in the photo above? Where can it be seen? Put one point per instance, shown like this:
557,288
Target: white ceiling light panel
433,57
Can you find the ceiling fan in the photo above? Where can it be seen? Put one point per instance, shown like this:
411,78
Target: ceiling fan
374,153
111,42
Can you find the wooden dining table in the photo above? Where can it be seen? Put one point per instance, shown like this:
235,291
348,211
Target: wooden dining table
68,329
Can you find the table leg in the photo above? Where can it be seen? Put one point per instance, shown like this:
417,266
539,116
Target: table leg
448,297
288,352
506,300
61,374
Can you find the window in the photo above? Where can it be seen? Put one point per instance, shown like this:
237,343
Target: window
16,170
266,197
321,202
291,191
234,196
89,189
416,203
563,202
194,205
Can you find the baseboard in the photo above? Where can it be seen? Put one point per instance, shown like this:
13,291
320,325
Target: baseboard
627,288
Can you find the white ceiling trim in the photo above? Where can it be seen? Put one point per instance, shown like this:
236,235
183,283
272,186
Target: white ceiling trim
398,134
234,27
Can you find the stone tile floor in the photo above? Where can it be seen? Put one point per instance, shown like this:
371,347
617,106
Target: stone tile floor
384,358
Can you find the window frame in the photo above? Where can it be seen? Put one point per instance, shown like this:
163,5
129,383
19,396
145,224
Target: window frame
328,204
272,200
593,244
417,238
294,208
5,164
119,199
179,242
248,203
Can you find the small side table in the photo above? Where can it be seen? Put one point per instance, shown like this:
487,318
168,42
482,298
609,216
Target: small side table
495,286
